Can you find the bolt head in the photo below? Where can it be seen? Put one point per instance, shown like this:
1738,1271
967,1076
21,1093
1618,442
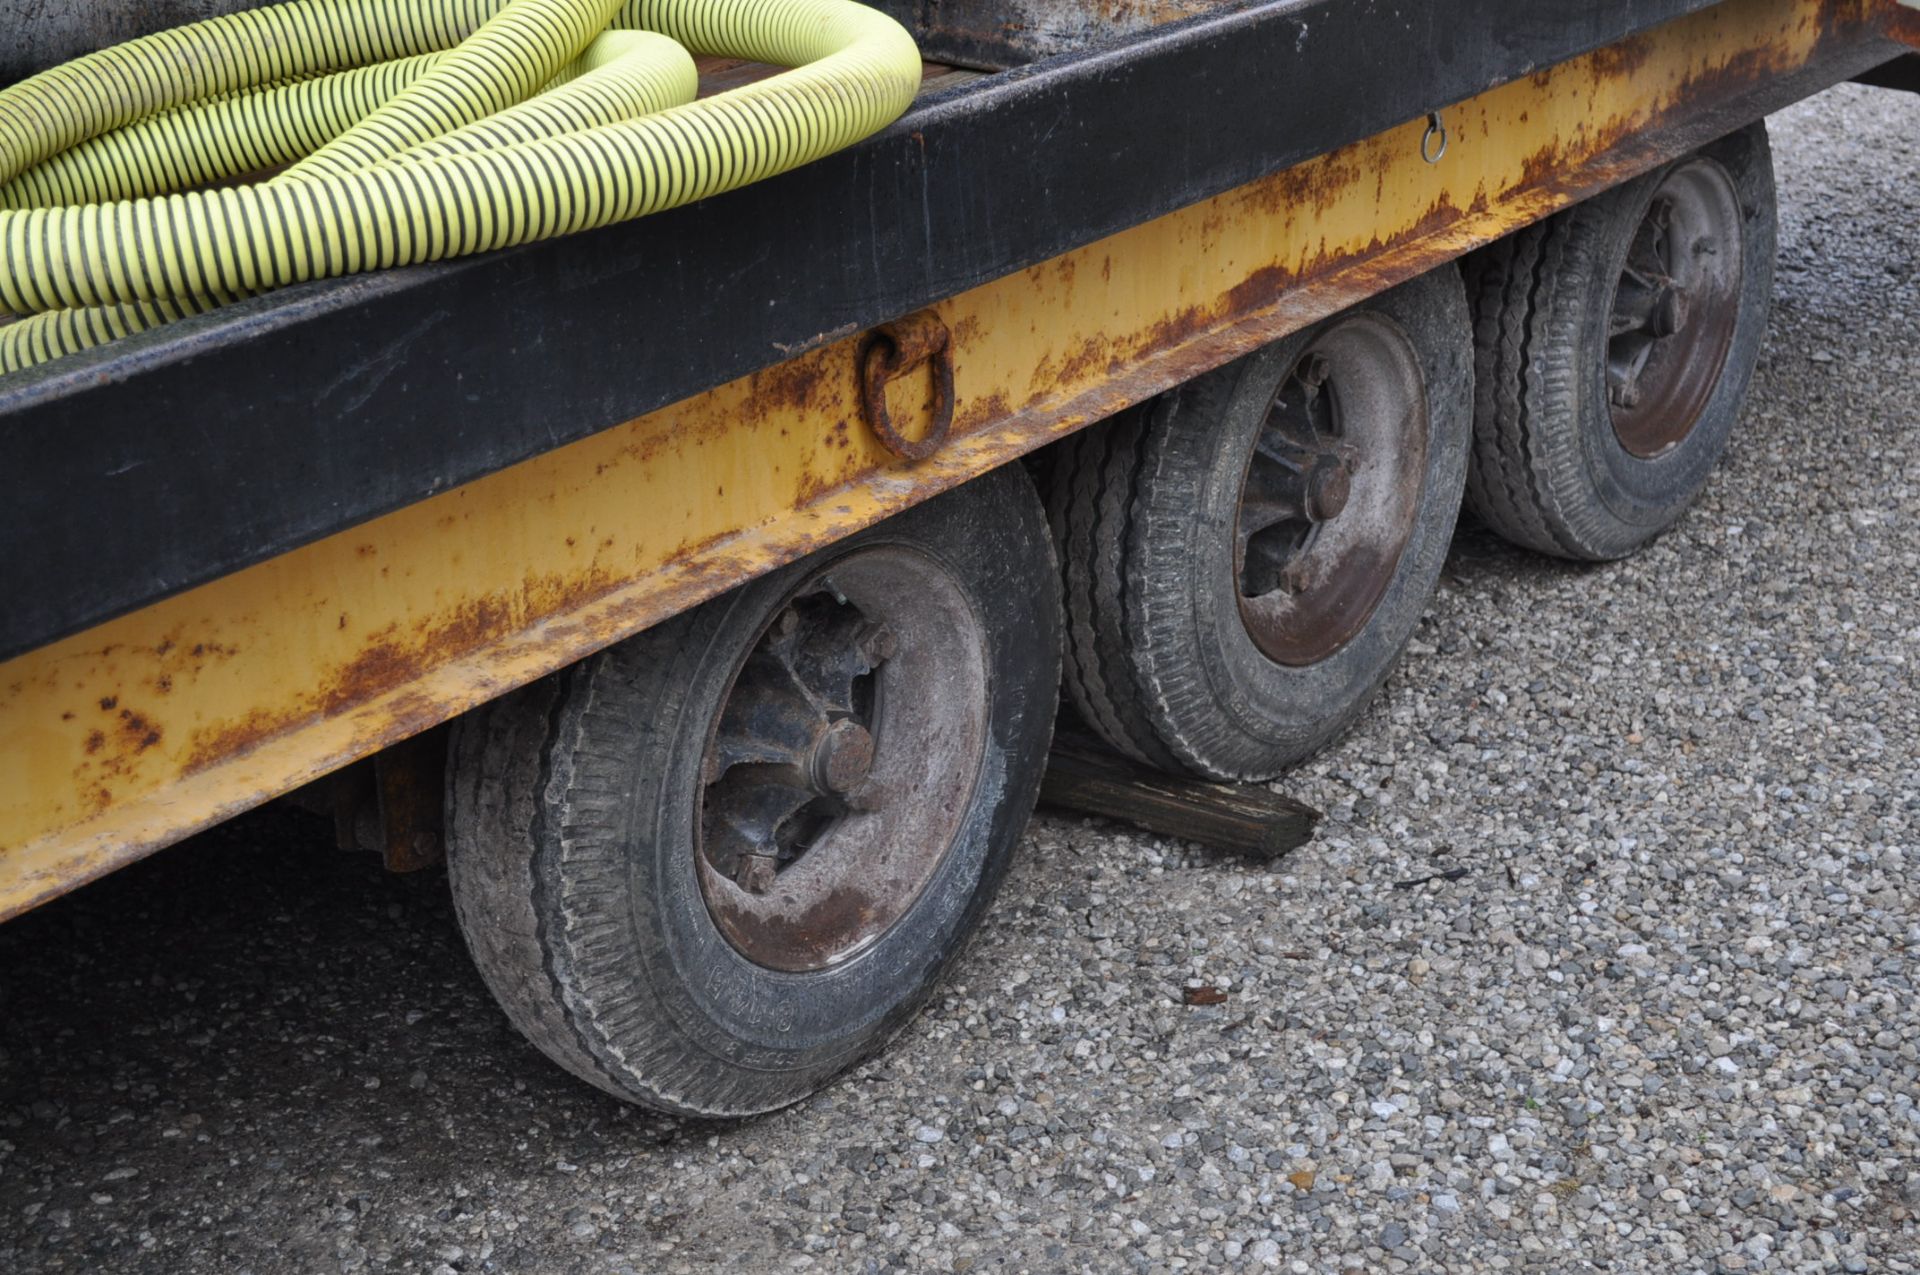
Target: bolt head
1314,371
1329,486
843,757
754,873
878,644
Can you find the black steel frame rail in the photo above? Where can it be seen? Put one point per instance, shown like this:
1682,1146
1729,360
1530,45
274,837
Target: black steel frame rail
135,471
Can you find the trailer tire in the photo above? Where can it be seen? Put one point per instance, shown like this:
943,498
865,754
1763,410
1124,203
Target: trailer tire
1174,655
588,813
1593,435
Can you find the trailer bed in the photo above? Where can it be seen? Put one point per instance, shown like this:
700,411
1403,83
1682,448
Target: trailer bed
251,547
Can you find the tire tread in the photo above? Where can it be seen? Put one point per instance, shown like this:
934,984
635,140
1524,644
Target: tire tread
1530,478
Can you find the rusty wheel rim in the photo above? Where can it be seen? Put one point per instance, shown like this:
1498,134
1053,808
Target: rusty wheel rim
842,763
1674,307
1331,491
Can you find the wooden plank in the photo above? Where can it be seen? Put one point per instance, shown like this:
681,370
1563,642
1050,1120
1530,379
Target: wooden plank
1243,819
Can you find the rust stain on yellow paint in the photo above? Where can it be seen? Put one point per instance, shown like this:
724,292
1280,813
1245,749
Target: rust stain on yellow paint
133,734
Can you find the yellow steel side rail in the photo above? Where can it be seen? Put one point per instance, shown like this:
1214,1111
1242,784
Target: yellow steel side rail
124,738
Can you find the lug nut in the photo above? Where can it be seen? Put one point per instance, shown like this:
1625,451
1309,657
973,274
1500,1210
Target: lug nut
878,644
754,873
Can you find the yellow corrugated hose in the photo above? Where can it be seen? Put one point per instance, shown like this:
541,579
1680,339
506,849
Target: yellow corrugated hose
411,131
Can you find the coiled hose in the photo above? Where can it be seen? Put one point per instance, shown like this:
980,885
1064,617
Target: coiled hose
411,131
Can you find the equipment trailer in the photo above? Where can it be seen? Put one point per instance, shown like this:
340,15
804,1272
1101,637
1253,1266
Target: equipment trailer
704,534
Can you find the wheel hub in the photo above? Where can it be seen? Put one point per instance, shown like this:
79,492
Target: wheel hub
841,758
1328,487
840,761
794,746
1671,322
1327,505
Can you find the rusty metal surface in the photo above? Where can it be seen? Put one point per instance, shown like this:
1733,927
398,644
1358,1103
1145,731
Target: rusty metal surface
128,736
893,352
1902,20
410,787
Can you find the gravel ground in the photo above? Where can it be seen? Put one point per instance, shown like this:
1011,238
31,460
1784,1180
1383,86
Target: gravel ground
1662,1018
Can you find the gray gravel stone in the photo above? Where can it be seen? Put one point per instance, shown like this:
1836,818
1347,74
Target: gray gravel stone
1666,1022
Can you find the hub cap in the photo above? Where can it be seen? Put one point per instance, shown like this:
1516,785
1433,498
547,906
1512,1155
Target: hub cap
1331,492
842,762
1671,323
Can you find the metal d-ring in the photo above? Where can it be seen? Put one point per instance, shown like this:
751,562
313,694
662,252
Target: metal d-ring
1430,150
893,351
